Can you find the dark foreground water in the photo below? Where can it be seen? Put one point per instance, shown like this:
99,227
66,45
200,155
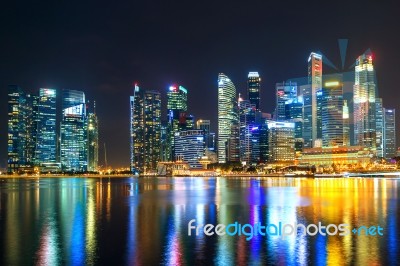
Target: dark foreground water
144,221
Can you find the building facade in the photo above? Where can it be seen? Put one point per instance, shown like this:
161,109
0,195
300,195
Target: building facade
389,133
281,142
145,130
190,147
93,142
285,92
253,89
227,114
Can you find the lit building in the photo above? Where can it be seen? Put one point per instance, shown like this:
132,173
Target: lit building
227,114
18,134
93,142
145,130
190,147
294,114
209,138
281,142
177,108
74,146
389,133
346,124
364,102
339,156
46,139
233,144
332,114
310,114
284,92
253,89
379,127
246,123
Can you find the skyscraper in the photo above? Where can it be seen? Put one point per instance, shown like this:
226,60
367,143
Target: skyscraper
294,114
246,123
227,114
73,132
284,92
346,124
93,142
332,114
364,102
177,108
205,125
389,133
253,89
17,129
379,125
310,114
46,143
145,130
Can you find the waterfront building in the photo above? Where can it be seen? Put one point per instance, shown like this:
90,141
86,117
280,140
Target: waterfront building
331,103
379,125
209,137
253,89
46,139
364,102
344,157
73,132
246,123
227,114
176,108
18,133
309,91
190,147
281,142
93,142
145,130
294,114
389,133
285,92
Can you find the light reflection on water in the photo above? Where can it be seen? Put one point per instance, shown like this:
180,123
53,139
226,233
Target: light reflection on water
144,220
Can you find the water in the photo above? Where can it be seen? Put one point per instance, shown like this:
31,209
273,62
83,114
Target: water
144,221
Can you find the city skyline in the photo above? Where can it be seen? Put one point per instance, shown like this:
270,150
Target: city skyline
103,54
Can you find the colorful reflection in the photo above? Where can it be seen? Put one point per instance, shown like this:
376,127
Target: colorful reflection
143,221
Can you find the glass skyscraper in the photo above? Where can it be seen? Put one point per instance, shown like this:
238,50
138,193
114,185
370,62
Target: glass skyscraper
177,108
227,114
46,143
294,114
253,89
145,130
74,146
93,142
281,142
284,92
379,125
389,133
364,102
332,114
310,114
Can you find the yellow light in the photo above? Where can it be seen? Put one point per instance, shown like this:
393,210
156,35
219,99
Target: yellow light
331,83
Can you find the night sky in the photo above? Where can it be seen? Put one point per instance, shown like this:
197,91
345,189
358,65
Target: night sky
102,47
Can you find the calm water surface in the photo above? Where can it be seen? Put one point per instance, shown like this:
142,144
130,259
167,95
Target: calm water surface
143,221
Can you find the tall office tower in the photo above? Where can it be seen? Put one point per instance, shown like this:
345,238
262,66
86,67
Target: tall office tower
17,131
31,126
379,125
346,124
284,92
389,133
145,130
46,139
212,142
190,146
255,131
93,142
281,142
205,126
73,132
263,142
253,89
294,114
177,108
364,102
165,148
246,123
233,144
332,114
188,122
227,114
310,114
